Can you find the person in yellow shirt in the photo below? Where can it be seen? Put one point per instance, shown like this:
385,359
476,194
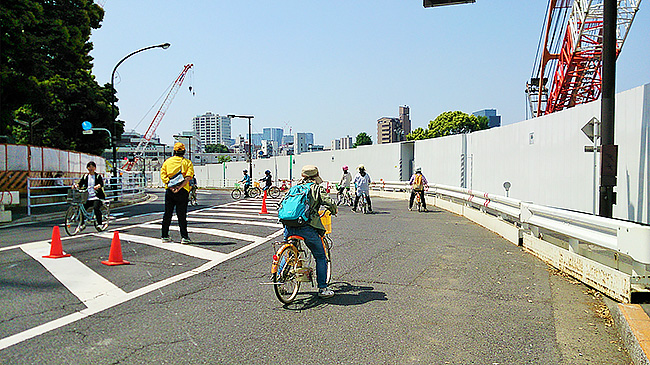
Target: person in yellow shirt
176,173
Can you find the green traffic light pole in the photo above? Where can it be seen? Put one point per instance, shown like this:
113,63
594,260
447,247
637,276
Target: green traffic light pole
114,135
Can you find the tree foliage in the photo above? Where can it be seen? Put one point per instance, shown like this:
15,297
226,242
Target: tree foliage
362,139
449,123
216,148
45,72
222,159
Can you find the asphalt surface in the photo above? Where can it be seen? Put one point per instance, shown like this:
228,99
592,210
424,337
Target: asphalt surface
411,288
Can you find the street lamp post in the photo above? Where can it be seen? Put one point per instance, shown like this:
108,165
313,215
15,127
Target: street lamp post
250,141
114,137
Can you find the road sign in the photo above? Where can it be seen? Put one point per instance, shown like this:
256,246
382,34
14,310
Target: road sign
89,131
86,126
589,129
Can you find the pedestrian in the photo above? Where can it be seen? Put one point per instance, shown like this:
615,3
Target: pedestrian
176,173
94,183
362,186
418,182
313,230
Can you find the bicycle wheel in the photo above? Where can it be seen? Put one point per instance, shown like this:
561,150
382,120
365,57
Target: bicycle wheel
105,216
193,197
72,220
284,278
236,194
254,192
327,244
274,192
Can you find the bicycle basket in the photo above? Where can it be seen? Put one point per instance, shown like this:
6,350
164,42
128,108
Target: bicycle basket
76,196
326,219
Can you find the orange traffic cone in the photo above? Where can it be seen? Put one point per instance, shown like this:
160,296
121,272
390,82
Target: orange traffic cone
115,256
56,249
264,211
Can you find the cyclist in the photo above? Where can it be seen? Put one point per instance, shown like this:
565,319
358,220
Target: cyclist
362,185
267,179
247,183
95,185
418,182
344,183
176,194
313,231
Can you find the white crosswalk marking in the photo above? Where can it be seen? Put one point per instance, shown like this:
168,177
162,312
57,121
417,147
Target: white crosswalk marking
91,288
237,215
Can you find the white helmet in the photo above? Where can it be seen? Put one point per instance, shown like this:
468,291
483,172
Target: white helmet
361,167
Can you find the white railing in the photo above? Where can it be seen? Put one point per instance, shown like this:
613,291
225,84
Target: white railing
613,238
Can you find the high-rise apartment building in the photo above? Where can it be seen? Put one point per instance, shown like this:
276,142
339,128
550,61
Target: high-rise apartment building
390,129
346,143
212,129
335,145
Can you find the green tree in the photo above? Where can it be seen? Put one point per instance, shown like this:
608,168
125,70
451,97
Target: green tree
362,139
216,148
449,123
45,72
222,159
418,134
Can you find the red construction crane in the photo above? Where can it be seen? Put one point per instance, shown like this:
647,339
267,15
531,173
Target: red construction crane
144,142
570,56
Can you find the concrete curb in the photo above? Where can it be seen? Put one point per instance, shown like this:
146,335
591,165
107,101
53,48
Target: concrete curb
633,325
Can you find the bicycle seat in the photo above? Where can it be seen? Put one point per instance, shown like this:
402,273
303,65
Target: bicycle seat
296,237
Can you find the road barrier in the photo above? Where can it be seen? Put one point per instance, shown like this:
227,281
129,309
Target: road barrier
42,192
610,255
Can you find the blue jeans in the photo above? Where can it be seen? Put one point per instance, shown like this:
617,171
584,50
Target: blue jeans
315,245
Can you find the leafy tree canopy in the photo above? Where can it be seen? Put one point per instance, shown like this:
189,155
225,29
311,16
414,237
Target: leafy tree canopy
45,72
216,148
222,159
362,139
449,123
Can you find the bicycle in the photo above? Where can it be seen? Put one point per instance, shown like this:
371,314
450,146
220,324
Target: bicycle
292,263
74,214
363,203
273,192
192,198
418,199
345,198
238,192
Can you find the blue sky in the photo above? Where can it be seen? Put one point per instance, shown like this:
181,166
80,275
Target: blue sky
330,67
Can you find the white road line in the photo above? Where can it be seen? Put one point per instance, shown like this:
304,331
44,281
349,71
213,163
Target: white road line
235,215
193,251
229,221
91,288
211,231
71,318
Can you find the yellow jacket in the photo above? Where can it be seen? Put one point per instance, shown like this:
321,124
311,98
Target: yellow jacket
173,165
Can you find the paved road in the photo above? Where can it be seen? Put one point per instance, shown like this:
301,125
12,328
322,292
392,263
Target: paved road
411,288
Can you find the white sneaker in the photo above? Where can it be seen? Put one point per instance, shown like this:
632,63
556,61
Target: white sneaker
167,240
325,293
186,241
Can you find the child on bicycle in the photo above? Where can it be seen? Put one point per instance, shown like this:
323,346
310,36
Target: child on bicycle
314,229
362,185
247,183
418,182
344,183
268,179
95,185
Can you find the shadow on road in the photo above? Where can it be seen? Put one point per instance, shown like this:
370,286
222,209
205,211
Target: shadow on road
345,294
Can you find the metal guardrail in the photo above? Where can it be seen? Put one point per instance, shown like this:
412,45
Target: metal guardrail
614,237
42,192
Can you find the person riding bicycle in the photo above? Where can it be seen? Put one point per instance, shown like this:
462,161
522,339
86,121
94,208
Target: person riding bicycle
313,231
268,179
418,182
247,183
344,183
362,185
95,185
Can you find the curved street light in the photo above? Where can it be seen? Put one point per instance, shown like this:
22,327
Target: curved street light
114,137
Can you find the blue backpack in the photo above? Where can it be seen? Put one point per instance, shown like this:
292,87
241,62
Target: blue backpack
294,207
